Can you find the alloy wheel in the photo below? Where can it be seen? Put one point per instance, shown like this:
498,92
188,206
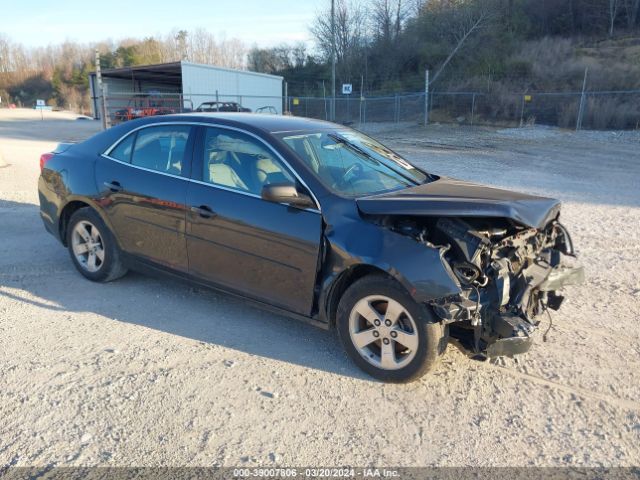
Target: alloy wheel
383,332
87,246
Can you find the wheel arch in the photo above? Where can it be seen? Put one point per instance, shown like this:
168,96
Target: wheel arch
365,248
343,281
69,209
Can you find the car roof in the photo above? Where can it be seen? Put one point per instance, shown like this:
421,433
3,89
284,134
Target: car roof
267,123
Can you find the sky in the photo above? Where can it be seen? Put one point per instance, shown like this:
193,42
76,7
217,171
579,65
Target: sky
264,22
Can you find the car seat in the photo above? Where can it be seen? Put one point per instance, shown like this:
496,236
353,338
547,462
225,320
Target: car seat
220,173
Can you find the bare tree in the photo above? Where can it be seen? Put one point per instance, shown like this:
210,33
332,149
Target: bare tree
181,44
415,7
387,18
350,26
613,13
13,57
233,53
633,14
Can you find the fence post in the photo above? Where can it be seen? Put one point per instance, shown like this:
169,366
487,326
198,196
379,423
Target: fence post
522,112
361,97
324,101
348,109
396,115
286,98
473,106
426,97
105,110
99,82
582,97
364,111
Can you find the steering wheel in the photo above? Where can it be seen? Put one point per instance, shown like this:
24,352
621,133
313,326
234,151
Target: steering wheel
354,170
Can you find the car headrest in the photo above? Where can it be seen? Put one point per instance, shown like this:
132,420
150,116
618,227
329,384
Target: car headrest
236,145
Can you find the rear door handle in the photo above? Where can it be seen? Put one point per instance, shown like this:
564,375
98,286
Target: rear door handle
113,186
203,211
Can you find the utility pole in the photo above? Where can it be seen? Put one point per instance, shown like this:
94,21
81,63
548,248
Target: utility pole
103,113
426,97
582,99
333,60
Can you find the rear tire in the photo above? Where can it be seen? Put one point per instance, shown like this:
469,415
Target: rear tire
92,247
386,332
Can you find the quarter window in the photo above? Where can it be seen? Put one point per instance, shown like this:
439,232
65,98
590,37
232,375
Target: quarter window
123,151
161,148
238,161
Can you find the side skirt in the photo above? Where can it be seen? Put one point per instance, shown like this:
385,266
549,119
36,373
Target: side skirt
153,269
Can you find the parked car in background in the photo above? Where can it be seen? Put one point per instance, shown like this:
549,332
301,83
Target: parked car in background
268,110
221,107
316,221
143,105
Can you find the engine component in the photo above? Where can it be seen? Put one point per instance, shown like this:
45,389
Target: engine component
466,241
502,272
466,272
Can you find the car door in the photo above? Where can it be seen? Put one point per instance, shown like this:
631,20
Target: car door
144,182
268,251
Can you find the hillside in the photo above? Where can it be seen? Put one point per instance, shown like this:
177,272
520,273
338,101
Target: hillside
497,49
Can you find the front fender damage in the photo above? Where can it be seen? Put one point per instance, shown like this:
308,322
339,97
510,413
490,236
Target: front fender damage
506,275
424,272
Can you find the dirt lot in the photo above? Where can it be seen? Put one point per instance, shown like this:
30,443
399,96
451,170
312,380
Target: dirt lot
148,371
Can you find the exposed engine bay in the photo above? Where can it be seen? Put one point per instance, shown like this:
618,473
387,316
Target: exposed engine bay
508,275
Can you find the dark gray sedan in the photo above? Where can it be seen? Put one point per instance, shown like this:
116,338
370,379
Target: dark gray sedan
316,221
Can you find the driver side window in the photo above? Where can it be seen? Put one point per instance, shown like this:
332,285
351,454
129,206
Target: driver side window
238,161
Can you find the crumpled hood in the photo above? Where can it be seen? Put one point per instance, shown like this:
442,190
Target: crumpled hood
456,198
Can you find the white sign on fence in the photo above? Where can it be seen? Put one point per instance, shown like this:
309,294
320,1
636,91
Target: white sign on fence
40,103
347,88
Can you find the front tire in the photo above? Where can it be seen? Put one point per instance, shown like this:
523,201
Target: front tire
387,333
92,247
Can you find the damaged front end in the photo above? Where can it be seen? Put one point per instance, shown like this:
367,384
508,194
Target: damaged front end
508,274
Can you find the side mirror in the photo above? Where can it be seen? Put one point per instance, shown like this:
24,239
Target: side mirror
286,193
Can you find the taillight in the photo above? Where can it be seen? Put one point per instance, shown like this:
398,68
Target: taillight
44,158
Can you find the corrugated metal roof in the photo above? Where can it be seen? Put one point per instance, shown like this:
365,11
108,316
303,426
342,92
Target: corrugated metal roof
235,70
168,72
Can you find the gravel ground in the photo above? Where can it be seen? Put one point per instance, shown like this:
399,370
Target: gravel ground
149,371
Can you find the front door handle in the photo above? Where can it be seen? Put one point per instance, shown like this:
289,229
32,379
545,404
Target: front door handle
113,186
203,210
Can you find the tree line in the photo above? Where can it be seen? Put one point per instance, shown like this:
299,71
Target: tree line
386,45
381,46
59,73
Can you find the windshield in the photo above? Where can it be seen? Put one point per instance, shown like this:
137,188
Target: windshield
353,164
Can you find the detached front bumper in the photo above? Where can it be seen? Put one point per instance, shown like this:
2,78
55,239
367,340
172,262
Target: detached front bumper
514,333
501,319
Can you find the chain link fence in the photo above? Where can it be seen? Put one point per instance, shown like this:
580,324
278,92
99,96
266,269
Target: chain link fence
617,110
124,106
592,110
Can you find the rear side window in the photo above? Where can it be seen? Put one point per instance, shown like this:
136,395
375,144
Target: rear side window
122,151
161,148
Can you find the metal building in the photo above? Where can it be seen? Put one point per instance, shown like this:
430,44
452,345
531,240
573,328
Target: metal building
184,86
